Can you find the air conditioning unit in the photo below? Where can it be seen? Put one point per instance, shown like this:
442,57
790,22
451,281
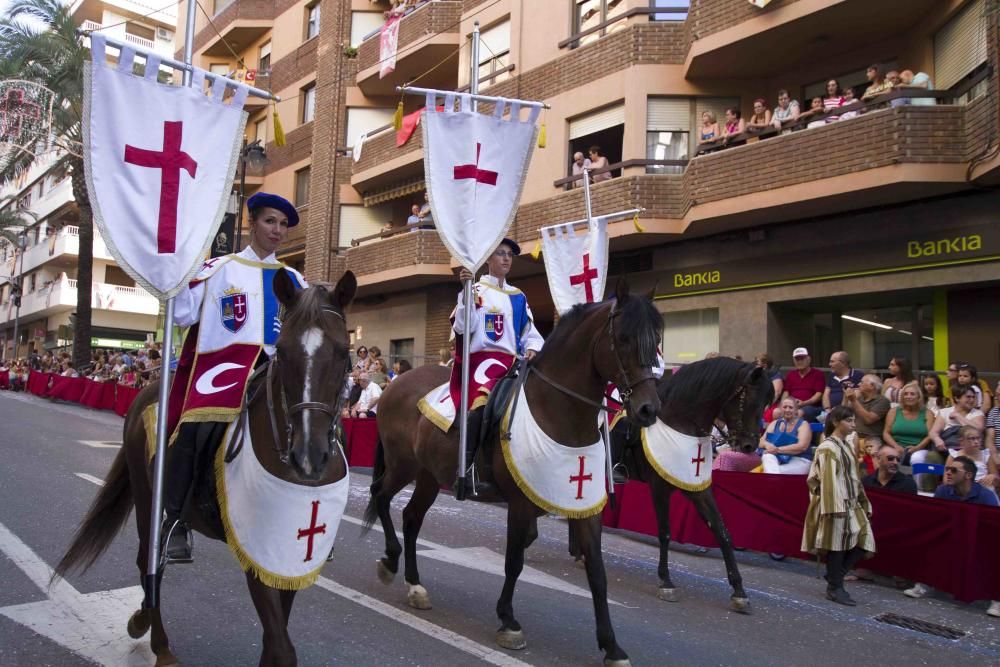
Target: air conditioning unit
164,34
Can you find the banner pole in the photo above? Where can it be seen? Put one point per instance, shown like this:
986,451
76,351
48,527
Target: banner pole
607,422
150,584
463,421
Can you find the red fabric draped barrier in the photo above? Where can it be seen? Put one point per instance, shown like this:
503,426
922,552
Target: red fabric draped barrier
94,395
4,379
67,388
38,383
123,399
360,437
949,545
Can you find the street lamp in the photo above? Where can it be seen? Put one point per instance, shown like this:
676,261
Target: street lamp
16,288
254,156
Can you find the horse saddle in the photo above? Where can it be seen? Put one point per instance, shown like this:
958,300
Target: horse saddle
496,405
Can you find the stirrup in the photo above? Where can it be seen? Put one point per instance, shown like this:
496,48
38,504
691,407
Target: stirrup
165,535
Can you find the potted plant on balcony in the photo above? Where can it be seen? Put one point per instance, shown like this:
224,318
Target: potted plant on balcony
350,51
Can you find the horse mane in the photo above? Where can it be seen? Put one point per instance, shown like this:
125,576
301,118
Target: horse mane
307,311
702,382
567,326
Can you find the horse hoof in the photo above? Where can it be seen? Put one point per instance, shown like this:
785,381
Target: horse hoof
138,624
740,605
511,639
385,575
617,663
667,594
167,660
581,563
418,598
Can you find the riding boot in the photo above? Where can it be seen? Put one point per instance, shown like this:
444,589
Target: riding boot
473,436
179,475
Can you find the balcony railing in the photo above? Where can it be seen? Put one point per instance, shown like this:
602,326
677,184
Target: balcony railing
60,295
389,233
406,259
573,41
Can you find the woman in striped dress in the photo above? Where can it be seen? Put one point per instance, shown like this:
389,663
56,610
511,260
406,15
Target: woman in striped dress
837,519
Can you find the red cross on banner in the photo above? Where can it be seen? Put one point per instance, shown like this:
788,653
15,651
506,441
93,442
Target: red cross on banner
580,478
585,278
484,176
169,161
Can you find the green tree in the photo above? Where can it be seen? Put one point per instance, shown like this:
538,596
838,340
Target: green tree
39,43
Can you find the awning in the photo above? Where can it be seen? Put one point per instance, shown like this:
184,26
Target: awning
394,192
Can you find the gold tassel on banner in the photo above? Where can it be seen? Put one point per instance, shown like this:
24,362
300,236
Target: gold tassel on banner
279,132
536,251
635,223
397,118
541,136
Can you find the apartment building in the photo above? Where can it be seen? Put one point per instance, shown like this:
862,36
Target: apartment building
123,313
871,233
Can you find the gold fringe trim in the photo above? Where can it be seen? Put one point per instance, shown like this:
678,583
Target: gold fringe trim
670,479
529,492
265,576
433,416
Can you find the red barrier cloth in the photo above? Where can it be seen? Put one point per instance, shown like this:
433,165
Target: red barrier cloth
360,437
914,535
124,396
67,388
92,395
38,383
108,396
4,379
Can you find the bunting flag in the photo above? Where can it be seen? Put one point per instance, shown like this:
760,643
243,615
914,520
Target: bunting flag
576,265
475,167
159,162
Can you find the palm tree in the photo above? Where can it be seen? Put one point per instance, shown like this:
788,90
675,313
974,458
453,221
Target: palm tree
39,43
13,220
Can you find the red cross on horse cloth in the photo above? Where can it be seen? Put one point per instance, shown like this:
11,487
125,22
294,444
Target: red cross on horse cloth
473,171
312,531
580,478
14,109
585,278
697,461
169,161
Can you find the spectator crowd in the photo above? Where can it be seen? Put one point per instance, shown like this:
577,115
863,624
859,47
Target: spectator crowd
132,368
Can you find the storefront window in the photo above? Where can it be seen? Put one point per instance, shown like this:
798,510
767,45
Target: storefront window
689,335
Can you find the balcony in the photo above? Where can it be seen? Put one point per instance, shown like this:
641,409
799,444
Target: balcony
60,296
118,31
61,250
406,260
734,39
427,36
241,23
384,166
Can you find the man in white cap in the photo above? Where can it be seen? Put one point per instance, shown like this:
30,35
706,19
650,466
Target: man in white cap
806,384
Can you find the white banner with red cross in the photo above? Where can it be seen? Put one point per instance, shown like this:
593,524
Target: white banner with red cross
159,163
388,42
576,265
475,166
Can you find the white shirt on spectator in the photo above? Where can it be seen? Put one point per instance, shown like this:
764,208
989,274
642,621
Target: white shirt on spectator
368,396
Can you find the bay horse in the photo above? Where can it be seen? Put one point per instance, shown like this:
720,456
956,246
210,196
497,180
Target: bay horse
309,368
593,344
690,400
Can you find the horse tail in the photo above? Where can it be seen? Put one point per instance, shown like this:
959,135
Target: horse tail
378,473
104,520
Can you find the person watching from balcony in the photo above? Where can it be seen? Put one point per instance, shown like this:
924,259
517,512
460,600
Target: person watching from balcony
786,111
425,210
598,161
892,78
933,392
878,85
579,164
908,425
784,447
815,109
920,82
833,100
413,222
735,126
806,384
709,130
849,99
760,120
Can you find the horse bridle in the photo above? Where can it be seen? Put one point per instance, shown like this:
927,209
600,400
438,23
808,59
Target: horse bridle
740,431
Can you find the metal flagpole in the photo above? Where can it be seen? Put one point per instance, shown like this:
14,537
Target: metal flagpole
604,401
463,425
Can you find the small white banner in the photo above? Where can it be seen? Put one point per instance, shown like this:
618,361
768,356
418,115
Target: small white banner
388,43
576,265
475,167
159,163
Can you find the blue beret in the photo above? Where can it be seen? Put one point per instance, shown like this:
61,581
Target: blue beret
516,249
267,200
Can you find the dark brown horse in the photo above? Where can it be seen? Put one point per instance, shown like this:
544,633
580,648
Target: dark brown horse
690,400
593,344
306,373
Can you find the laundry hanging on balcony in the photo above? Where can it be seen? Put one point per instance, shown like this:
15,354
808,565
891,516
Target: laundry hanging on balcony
159,162
388,42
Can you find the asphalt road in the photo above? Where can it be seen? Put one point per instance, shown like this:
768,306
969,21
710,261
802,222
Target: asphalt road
54,455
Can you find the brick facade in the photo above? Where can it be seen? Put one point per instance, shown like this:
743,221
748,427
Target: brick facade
441,300
434,18
295,66
238,9
706,17
298,146
382,148
419,247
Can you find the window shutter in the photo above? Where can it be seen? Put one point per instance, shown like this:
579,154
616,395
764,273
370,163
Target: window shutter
357,221
361,120
668,114
960,45
495,40
597,121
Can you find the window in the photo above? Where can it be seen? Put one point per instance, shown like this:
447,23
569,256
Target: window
679,8
264,59
365,24
222,69
31,282
308,103
312,20
219,5
689,335
960,45
358,221
362,120
494,52
588,14
604,128
401,349
260,130
668,132
302,187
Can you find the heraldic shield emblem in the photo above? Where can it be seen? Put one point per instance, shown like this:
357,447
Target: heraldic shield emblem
493,326
233,307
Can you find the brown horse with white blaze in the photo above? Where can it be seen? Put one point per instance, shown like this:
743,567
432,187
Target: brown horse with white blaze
593,344
292,438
